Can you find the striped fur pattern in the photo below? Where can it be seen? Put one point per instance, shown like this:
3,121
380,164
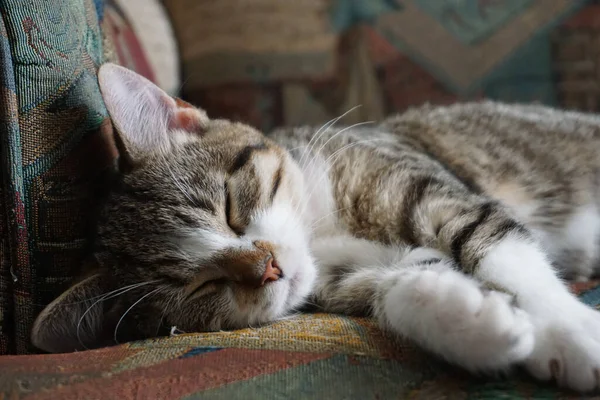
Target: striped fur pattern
453,226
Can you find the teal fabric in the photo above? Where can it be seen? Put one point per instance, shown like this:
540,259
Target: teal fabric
53,131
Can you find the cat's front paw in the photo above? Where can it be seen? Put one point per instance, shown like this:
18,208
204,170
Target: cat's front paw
567,348
455,317
495,333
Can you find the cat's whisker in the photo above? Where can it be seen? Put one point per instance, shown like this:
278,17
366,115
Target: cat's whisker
307,147
342,131
183,83
322,130
291,149
315,157
106,296
306,158
314,224
346,129
309,161
329,162
325,127
129,309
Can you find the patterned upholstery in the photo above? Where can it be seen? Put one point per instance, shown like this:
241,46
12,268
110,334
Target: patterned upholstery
316,356
56,142
57,145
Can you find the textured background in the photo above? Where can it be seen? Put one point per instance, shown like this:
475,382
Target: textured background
271,63
316,356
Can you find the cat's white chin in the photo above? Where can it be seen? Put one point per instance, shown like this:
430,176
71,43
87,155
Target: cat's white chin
279,299
301,284
281,226
287,294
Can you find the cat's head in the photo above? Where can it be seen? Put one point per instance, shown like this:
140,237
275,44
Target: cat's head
202,231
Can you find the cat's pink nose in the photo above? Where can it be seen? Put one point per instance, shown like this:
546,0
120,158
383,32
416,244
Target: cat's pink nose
272,272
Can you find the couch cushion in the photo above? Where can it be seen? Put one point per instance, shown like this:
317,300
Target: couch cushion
316,356
56,144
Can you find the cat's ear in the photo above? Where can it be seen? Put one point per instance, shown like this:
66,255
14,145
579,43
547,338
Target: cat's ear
147,119
74,321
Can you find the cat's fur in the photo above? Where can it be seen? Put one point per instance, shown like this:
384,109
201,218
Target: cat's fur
442,223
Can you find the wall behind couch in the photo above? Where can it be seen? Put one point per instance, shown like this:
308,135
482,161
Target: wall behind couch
271,63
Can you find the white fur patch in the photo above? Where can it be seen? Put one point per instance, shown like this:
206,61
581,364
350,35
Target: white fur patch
448,313
581,233
282,228
583,228
567,333
442,309
319,204
202,244
520,266
348,250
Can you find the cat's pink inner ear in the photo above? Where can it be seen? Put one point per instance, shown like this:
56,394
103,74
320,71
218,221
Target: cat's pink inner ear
188,118
140,110
144,115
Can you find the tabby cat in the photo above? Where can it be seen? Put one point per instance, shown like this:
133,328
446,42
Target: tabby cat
449,225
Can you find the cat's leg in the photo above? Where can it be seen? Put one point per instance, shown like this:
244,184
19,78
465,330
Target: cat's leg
567,332
419,295
487,243
575,248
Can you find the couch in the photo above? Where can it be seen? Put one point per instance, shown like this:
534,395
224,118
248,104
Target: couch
57,150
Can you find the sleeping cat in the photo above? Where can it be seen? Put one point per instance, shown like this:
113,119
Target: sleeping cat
445,224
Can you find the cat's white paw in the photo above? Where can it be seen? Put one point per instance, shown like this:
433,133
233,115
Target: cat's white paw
473,327
567,348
